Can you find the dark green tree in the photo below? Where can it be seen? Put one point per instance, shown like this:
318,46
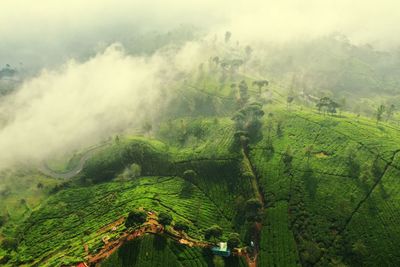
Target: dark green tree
135,217
308,151
234,240
287,159
9,244
2,220
379,113
181,226
390,111
253,210
353,164
164,218
214,232
189,175
243,93
260,84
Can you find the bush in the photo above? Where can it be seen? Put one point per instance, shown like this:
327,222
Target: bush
135,217
234,240
9,244
214,231
189,175
164,218
181,226
2,220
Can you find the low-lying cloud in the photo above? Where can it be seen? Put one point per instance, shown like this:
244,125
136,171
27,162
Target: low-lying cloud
81,103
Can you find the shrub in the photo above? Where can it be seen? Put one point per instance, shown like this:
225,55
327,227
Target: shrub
164,218
181,226
135,217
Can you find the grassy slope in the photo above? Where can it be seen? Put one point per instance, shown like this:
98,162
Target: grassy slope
157,251
319,209
322,202
58,231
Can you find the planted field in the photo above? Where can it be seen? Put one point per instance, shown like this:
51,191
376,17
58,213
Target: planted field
323,189
157,251
58,231
372,234
278,247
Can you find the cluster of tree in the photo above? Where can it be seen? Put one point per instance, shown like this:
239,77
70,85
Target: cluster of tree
9,244
302,226
164,218
214,232
243,97
135,218
110,162
254,210
3,220
188,186
353,165
287,158
382,109
182,226
327,105
260,84
233,240
248,119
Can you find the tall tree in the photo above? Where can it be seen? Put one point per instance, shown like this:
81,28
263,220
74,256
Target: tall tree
260,84
228,35
164,218
135,217
379,113
308,152
390,111
243,92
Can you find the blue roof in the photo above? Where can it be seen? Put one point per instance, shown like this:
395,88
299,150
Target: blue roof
218,251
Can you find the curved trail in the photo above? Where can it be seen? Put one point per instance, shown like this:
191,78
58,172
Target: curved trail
76,170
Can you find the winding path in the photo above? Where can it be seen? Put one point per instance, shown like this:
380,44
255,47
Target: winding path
43,168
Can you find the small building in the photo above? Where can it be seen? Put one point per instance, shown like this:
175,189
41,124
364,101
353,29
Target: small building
82,264
221,250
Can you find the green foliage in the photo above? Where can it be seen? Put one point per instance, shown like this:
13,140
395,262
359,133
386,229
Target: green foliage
287,159
9,244
327,105
214,231
218,261
106,164
181,226
234,240
2,220
135,218
164,218
353,164
253,210
72,214
379,113
190,175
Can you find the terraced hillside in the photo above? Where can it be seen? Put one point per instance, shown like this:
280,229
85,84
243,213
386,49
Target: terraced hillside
332,181
72,219
158,251
329,186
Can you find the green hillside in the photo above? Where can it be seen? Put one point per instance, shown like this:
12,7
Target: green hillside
286,175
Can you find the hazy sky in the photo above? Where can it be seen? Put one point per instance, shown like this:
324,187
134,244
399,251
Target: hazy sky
58,29
53,21
82,101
